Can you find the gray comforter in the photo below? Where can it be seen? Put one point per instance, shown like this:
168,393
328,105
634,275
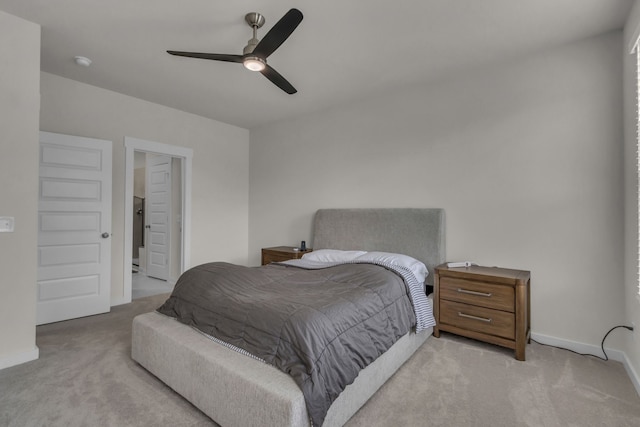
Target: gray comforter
320,326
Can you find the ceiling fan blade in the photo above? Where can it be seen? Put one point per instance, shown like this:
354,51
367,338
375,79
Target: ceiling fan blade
278,33
278,80
213,56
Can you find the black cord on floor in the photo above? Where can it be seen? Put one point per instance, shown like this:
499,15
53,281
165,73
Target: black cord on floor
605,358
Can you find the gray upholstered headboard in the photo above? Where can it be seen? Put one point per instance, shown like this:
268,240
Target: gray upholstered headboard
419,233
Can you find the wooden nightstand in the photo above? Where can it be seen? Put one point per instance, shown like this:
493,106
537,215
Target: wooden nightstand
281,253
489,304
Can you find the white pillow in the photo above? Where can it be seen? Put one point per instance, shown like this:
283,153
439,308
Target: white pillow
417,267
332,255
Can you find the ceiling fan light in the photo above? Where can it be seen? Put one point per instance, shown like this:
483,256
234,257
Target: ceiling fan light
254,63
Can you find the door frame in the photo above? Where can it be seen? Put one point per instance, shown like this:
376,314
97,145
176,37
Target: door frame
186,157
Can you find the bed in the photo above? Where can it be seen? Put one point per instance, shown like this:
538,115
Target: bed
237,390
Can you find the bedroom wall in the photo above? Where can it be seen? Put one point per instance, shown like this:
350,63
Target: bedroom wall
19,104
632,308
220,163
525,156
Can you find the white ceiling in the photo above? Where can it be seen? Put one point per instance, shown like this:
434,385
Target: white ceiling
343,50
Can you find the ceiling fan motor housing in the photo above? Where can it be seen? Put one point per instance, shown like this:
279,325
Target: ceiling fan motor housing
255,21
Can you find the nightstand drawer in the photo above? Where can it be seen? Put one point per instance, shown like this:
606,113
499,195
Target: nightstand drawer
282,253
477,293
276,257
485,320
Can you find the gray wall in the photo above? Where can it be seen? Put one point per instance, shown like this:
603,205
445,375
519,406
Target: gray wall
525,156
220,163
19,104
632,308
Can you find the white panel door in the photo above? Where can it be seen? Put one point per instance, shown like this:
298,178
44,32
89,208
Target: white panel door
158,201
74,227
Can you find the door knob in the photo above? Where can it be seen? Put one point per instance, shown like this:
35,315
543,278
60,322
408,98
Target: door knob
105,235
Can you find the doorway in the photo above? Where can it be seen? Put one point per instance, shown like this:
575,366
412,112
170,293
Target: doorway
178,216
157,224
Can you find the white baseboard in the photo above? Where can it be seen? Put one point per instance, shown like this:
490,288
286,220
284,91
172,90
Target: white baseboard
613,354
633,375
579,347
19,358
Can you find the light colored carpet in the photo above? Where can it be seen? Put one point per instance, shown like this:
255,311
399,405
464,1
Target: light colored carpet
85,377
145,286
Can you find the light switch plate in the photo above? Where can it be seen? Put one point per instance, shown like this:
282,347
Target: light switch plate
6,224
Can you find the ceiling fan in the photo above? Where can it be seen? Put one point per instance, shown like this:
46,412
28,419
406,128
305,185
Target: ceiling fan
255,53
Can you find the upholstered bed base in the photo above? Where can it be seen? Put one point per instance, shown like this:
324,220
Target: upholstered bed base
235,390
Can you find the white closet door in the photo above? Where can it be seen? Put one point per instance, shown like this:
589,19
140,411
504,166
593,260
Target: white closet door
158,200
74,227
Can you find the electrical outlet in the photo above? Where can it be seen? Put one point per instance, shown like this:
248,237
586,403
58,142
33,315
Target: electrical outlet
6,224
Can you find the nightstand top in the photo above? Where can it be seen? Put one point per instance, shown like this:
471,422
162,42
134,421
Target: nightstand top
287,249
507,274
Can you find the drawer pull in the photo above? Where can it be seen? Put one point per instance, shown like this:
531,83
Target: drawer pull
480,294
468,316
